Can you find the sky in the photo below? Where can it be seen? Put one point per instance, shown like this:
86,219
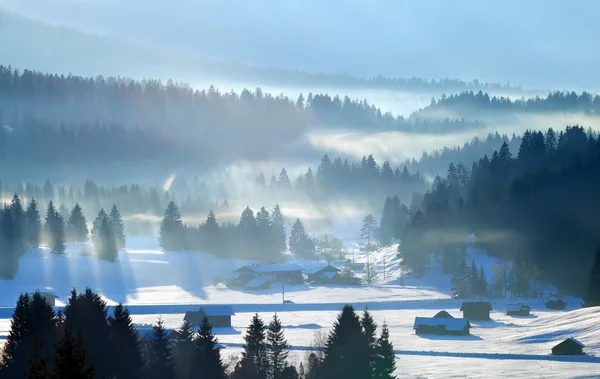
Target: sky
534,43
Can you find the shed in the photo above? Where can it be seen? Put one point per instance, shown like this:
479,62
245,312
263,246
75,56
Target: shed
476,310
570,346
556,304
443,314
315,273
442,326
518,309
219,316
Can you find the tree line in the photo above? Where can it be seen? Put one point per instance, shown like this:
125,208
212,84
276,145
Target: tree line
84,341
536,209
22,229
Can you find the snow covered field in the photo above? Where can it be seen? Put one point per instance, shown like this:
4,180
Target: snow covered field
154,283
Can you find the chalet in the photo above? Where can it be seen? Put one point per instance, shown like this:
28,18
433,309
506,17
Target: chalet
570,346
519,309
476,310
443,314
219,316
290,273
315,273
556,304
442,326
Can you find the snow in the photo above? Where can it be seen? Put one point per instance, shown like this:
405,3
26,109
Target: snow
273,268
452,324
154,283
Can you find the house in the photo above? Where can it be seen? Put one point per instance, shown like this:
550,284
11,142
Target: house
219,316
556,304
442,326
290,273
570,346
476,310
50,298
518,309
357,266
315,273
257,284
443,314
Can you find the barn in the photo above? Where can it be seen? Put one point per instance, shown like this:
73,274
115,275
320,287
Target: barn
518,309
315,273
290,273
442,326
476,310
570,346
443,314
219,316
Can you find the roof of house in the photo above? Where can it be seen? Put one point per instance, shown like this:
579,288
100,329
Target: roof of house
285,267
443,314
217,310
255,283
316,269
328,275
49,294
452,324
570,341
516,307
475,306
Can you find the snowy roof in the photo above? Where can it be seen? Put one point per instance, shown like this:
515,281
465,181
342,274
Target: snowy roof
255,283
315,269
285,267
452,324
516,307
329,275
217,310
443,314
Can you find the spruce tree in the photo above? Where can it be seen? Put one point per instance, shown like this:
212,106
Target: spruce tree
474,279
126,349
277,349
370,329
254,363
160,365
55,230
183,351
34,224
20,225
207,358
482,284
592,293
118,227
347,350
385,358
278,238
38,366
106,242
171,229
97,222
70,359
77,230
13,352
301,245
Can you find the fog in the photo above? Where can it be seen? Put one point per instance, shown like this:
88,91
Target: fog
522,42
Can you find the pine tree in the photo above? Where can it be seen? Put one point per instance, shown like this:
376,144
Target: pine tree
207,359
277,349
474,280
385,358
161,364
70,359
37,367
370,329
278,238
55,230
20,225
126,349
301,245
264,234
13,352
97,222
183,351
77,230
254,363
118,227
592,293
482,284
34,224
105,242
171,229
347,350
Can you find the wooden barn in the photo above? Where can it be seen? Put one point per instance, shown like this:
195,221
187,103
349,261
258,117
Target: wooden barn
290,273
315,273
442,326
570,346
219,316
518,309
443,314
476,310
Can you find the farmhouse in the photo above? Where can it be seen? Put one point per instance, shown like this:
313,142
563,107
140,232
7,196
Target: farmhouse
315,273
570,346
290,273
219,316
519,309
476,310
442,326
443,314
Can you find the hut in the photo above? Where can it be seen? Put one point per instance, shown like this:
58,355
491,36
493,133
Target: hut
443,314
219,316
570,346
518,309
442,326
476,310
